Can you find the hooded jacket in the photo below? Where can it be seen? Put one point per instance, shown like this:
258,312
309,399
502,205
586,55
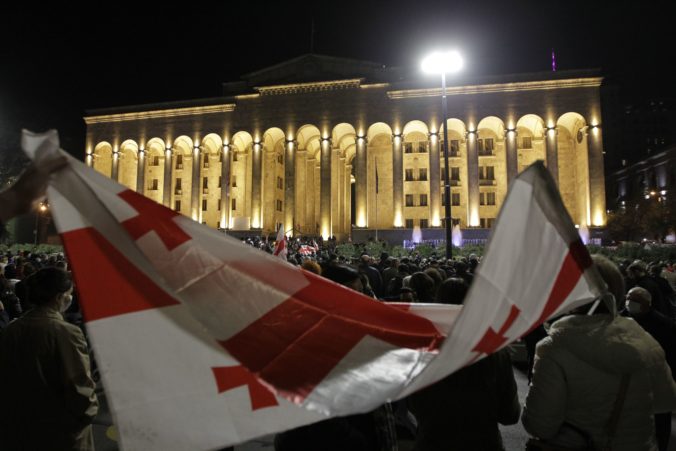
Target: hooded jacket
577,376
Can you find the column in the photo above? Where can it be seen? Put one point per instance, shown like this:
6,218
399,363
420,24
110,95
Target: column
472,180
141,172
325,189
360,189
397,180
256,181
435,180
225,187
196,188
116,165
168,175
301,179
597,195
511,155
552,152
347,205
289,186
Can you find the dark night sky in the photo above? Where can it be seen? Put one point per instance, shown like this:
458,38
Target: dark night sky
56,62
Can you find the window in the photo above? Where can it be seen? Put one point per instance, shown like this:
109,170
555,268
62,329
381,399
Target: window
486,173
482,200
204,205
280,158
409,175
220,181
409,200
156,160
527,142
206,160
486,223
455,174
490,198
205,182
177,188
422,174
280,183
455,199
179,161
423,200
153,185
455,147
424,223
278,205
235,156
234,204
408,147
422,147
234,181
177,205
485,146
409,223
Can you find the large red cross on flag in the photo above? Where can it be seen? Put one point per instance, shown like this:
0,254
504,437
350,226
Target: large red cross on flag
204,342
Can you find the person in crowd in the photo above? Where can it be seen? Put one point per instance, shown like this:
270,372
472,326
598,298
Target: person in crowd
9,299
373,431
637,276
390,271
45,361
312,266
424,288
663,330
462,411
375,280
668,294
593,361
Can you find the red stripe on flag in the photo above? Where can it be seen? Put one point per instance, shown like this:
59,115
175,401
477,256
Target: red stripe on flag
107,282
153,217
229,377
574,265
294,346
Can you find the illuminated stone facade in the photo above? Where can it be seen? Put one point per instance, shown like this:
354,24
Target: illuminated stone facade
285,150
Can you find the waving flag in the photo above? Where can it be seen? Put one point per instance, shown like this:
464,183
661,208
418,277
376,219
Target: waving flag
280,246
204,342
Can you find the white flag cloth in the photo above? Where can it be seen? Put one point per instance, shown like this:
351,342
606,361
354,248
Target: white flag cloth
203,341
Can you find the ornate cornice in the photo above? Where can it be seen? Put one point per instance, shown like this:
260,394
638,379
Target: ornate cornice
319,86
502,87
157,114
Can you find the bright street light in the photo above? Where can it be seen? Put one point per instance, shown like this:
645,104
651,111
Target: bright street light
443,63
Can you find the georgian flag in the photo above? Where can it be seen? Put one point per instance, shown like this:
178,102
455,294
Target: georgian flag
203,342
280,246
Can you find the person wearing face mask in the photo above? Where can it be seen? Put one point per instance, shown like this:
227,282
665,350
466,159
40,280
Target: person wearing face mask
638,305
50,402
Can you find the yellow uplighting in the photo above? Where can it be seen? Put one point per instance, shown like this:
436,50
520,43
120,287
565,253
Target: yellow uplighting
397,219
599,218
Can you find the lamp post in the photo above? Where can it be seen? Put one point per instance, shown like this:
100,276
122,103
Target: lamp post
41,209
443,63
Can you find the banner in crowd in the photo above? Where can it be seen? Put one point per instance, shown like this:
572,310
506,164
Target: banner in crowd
203,341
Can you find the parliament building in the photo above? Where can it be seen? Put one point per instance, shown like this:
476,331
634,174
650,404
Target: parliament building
335,147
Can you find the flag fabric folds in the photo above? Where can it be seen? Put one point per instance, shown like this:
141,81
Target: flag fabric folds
204,342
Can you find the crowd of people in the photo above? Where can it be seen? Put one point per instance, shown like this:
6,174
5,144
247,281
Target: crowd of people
602,375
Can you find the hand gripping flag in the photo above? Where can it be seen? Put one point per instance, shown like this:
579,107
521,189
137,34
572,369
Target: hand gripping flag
204,342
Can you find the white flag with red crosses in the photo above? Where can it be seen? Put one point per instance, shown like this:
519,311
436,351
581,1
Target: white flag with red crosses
203,341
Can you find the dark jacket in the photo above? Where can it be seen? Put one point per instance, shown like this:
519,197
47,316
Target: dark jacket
463,410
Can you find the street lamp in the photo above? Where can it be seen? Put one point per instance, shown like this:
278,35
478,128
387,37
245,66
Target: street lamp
443,63
41,209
